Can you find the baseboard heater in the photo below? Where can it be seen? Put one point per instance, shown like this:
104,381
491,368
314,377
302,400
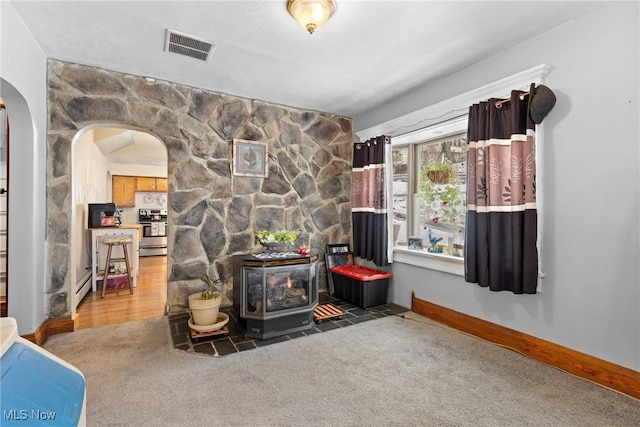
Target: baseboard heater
82,287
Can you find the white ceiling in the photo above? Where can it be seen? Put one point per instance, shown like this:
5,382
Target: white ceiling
369,52
125,146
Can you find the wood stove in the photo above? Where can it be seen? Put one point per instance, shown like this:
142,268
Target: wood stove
275,293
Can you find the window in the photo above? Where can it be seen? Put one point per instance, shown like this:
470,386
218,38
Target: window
400,158
420,126
429,192
441,194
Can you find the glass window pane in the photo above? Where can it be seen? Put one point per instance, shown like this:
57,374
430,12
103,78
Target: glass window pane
400,158
441,193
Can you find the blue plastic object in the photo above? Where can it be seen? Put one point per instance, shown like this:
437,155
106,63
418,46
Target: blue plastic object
38,390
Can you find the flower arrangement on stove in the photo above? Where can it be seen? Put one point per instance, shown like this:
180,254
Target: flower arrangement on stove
274,238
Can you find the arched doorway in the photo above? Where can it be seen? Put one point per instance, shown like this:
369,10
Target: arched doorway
99,153
26,299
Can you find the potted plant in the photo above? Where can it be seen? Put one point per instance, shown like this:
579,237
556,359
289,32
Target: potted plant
282,239
442,198
205,305
440,173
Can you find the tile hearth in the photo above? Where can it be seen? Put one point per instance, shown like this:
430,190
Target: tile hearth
235,342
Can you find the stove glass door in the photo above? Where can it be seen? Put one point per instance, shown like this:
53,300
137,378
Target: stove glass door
272,291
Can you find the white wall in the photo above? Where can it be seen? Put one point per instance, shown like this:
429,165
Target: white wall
23,87
590,299
138,170
90,185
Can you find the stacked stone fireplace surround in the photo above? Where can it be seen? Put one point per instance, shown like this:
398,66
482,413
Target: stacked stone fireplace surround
212,214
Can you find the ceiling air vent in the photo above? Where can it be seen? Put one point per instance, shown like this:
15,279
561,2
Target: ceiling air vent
183,44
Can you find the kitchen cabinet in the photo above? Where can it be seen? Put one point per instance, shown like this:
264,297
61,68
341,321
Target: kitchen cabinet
147,183
144,183
124,190
162,185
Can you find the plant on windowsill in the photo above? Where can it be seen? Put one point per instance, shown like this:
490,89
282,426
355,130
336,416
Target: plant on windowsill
442,203
205,305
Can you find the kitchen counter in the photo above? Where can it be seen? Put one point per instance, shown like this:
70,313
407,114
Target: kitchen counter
98,250
123,226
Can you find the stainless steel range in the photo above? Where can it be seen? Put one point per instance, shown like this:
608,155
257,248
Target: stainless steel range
154,232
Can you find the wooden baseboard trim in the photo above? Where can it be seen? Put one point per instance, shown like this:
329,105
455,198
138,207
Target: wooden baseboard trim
599,371
37,337
61,325
50,327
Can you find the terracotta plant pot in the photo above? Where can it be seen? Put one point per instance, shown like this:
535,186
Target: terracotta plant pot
204,312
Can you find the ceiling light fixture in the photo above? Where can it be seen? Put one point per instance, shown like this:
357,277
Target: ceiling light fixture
311,14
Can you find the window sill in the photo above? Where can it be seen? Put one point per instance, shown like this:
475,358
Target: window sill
421,258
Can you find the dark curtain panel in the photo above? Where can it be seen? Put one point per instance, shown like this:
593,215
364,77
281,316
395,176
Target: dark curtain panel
501,226
369,200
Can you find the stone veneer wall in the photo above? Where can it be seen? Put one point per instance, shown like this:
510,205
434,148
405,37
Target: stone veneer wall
212,214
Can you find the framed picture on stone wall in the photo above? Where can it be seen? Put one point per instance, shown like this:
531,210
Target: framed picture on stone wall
250,158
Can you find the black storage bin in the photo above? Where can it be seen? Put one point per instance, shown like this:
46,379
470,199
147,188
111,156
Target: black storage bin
337,254
359,285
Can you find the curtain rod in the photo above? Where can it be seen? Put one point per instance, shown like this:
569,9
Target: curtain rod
499,103
375,142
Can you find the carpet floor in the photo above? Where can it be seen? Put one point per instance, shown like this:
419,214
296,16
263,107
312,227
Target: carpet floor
392,371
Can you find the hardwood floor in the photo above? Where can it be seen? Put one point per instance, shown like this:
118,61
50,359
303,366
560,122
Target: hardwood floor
119,306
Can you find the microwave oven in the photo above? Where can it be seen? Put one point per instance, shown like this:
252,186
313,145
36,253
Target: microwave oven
103,215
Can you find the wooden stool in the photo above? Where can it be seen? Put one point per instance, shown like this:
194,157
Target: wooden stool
111,242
